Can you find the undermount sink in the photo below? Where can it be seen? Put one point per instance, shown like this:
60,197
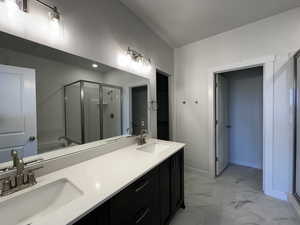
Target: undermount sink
153,147
26,208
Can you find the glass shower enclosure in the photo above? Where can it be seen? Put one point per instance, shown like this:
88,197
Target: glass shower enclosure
93,111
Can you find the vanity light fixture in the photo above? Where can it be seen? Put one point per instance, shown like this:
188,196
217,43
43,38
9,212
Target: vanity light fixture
135,60
138,57
54,14
23,6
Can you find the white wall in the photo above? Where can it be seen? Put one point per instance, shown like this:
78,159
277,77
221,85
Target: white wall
100,30
278,35
246,117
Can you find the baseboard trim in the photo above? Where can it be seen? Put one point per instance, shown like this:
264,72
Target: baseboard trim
294,203
246,164
277,194
193,169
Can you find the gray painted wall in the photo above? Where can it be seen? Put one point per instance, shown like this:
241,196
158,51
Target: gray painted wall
246,117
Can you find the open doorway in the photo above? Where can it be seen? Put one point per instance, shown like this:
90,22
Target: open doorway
162,95
239,123
139,110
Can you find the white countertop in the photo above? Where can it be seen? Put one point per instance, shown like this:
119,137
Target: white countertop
101,178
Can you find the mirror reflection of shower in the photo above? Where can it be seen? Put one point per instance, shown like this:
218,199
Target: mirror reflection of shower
112,111
92,111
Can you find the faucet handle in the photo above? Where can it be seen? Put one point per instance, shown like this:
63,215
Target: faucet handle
15,157
31,178
20,166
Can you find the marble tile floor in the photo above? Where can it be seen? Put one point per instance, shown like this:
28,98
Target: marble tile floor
234,198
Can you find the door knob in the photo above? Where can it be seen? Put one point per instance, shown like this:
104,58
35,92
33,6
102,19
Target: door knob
31,138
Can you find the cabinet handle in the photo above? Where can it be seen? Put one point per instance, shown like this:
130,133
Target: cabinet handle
142,186
146,212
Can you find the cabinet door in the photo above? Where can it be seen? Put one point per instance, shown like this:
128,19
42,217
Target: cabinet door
138,203
99,216
177,189
165,191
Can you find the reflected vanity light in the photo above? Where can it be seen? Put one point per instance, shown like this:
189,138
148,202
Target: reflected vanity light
135,61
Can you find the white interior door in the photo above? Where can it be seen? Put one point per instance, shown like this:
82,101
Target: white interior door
17,111
297,169
222,124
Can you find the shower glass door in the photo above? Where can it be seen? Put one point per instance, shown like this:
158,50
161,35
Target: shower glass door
91,101
93,111
111,111
73,113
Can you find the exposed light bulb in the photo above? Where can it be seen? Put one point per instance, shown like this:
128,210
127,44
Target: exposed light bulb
54,22
147,68
94,65
54,14
124,59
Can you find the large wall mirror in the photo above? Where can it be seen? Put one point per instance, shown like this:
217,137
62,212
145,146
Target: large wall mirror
51,100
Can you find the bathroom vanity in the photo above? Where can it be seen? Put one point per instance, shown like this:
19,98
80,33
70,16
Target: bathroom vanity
136,184
153,199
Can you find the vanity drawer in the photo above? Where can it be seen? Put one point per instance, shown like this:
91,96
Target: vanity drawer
136,202
146,216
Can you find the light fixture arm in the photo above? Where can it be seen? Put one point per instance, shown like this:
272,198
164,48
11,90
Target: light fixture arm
54,14
54,8
23,5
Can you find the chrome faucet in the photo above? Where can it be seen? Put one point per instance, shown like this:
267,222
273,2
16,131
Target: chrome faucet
141,140
19,176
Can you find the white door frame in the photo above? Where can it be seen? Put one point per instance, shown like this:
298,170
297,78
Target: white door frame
268,114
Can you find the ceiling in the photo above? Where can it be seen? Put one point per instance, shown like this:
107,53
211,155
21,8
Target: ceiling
180,22
8,41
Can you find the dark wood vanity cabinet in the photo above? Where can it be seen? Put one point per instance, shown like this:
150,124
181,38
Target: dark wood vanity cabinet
171,187
165,191
99,216
138,203
151,200
177,182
